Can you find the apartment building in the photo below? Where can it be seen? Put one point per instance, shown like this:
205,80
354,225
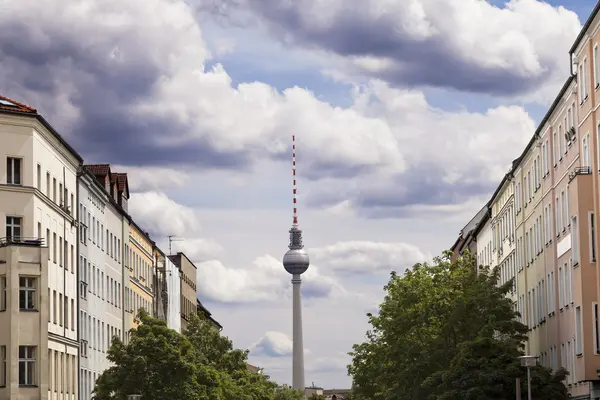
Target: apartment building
100,271
173,279
555,200
141,273
586,68
161,289
484,238
502,224
467,239
188,296
38,338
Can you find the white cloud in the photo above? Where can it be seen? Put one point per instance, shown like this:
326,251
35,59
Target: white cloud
469,45
274,344
144,179
263,280
161,215
149,70
362,257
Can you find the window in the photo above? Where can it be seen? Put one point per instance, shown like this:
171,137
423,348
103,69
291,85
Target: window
26,365
13,171
39,177
2,366
578,335
595,328
561,140
585,151
560,288
13,228
54,190
596,73
66,312
54,248
2,293
575,241
585,79
554,146
27,300
592,225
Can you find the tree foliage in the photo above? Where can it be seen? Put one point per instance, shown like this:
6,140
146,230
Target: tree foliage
288,393
200,364
445,331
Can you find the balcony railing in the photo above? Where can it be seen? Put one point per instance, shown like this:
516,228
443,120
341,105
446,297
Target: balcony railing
580,171
22,241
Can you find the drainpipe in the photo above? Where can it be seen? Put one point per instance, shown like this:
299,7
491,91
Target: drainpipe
64,253
77,277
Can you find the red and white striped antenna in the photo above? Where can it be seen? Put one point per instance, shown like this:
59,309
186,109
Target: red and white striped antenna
294,189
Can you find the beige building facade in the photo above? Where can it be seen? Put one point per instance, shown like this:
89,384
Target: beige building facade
38,175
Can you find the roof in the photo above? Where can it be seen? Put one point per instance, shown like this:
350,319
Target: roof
484,219
586,26
207,313
98,169
7,104
10,106
122,182
176,259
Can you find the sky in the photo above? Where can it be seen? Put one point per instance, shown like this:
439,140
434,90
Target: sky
407,113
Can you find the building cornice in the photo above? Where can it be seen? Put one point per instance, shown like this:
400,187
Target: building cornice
34,191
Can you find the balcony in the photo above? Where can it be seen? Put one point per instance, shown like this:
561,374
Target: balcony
580,171
21,241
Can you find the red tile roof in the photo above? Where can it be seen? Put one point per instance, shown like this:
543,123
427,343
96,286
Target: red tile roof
121,178
7,104
98,169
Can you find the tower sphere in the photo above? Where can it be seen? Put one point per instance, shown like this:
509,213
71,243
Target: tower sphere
296,261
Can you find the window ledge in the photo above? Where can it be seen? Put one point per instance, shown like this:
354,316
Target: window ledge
27,310
28,386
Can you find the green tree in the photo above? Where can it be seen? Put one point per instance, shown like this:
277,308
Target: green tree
217,351
315,396
288,393
158,363
445,330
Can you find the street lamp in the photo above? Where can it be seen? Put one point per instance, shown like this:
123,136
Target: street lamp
528,361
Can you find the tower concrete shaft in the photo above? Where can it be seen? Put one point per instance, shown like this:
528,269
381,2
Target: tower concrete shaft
298,348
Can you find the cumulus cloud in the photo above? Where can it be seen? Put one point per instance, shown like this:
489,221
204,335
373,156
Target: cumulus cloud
132,88
467,45
263,280
338,362
161,215
273,344
145,179
363,257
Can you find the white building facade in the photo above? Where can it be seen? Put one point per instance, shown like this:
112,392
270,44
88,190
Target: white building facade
173,278
38,175
485,255
101,276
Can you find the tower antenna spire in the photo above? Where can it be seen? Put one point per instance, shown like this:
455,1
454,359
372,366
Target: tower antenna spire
294,187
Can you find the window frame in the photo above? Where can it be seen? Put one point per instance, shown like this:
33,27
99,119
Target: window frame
29,360
11,162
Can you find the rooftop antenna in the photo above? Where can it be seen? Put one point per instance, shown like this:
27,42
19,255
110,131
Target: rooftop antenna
173,238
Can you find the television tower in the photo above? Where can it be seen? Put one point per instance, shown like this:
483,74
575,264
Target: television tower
296,262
